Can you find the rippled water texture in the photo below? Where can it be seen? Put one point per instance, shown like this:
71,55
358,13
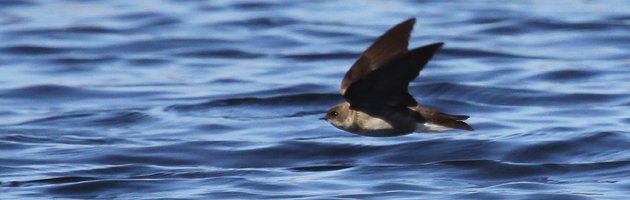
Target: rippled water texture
151,99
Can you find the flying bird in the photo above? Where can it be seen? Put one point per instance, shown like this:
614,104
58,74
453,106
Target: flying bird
375,89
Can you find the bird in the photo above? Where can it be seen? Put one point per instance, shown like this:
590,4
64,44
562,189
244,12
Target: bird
375,89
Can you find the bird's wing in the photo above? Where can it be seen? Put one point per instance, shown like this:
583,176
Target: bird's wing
388,83
388,46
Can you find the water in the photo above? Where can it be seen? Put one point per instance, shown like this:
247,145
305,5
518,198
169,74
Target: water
220,100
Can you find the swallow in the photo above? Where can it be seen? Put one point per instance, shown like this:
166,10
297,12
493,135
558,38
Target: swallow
375,89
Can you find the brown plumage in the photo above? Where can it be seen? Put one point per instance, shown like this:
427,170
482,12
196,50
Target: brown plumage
375,89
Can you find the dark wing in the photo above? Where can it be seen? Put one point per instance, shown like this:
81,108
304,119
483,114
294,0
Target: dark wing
390,45
387,84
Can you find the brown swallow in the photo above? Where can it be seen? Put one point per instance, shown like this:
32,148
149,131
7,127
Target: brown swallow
378,102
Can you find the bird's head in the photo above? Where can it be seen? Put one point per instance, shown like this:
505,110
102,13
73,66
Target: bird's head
338,115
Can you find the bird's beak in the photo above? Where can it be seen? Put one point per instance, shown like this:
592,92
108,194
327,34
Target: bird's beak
322,118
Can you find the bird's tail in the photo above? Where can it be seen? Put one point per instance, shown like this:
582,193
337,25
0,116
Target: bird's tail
442,119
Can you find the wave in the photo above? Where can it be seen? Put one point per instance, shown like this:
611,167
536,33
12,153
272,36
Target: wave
62,92
513,97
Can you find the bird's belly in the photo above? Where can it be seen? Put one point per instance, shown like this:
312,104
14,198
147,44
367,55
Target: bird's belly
377,127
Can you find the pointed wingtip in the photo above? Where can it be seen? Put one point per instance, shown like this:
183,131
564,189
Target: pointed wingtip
436,45
409,21
404,26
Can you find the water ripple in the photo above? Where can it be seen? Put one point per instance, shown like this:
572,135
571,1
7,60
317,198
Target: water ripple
61,92
33,50
188,99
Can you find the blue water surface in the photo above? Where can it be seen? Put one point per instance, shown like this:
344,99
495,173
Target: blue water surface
192,99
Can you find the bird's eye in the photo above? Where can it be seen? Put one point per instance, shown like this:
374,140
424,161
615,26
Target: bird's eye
335,114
